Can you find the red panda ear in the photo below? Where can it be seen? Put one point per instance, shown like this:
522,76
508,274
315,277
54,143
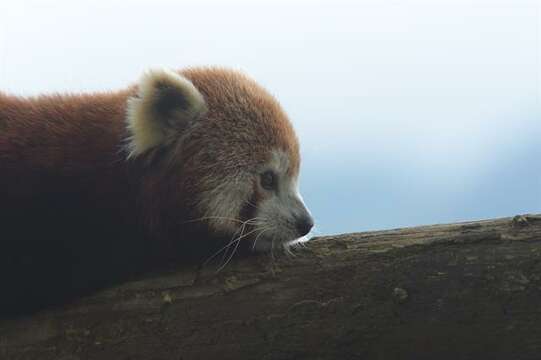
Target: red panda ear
164,106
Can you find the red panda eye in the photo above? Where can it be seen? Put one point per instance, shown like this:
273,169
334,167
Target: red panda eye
268,180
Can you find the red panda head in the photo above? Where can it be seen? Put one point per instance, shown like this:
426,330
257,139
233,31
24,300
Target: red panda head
230,153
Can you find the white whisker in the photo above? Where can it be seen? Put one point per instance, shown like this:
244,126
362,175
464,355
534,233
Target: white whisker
272,249
230,257
221,218
258,235
234,239
287,249
237,245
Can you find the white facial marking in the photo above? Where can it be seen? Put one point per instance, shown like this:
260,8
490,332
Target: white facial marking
282,209
275,220
223,203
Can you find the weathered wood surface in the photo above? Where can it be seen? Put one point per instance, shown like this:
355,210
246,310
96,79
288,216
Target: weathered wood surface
459,291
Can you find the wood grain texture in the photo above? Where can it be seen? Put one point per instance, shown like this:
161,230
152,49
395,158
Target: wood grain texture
459,291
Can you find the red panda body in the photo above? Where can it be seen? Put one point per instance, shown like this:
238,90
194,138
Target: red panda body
64,189
94,187
54,143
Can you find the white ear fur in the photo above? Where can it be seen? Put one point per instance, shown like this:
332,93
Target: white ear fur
165,104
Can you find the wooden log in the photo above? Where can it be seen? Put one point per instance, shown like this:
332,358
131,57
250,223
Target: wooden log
460,291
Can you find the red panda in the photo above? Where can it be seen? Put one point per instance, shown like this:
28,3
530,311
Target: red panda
101,181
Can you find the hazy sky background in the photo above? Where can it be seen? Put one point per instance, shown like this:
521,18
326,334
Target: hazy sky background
409,112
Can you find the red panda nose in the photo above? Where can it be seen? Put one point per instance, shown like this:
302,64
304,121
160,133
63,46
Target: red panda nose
304,224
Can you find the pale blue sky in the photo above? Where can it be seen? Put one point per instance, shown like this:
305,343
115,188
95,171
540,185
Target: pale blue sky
409,112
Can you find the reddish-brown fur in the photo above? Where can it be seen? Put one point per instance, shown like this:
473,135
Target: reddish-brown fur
65,180
79,138
59,136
